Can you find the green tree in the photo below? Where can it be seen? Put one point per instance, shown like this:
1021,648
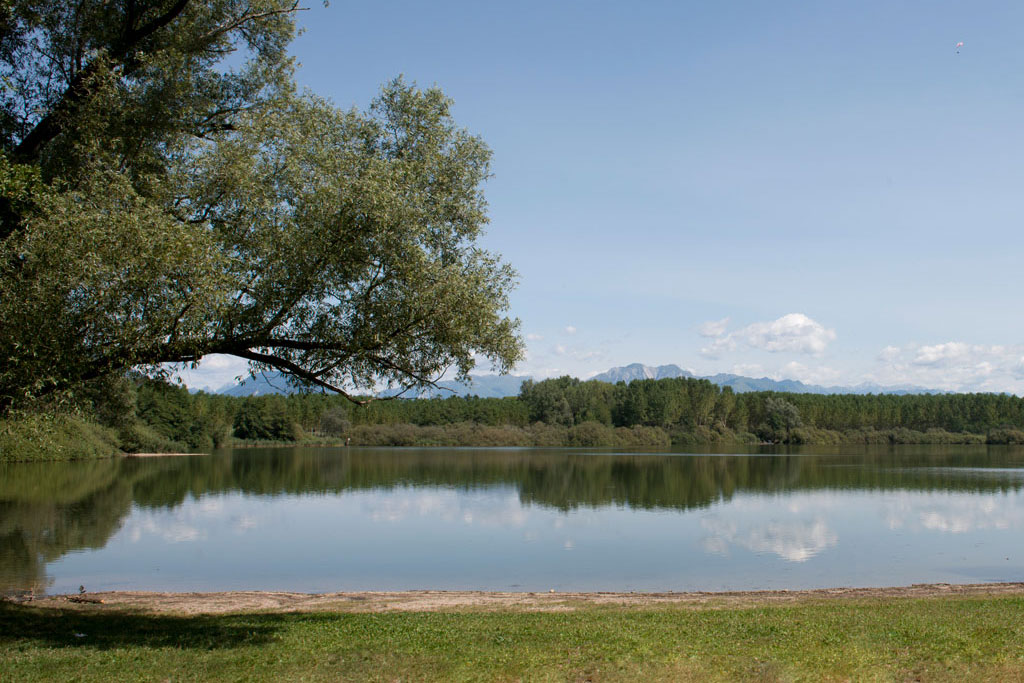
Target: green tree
781,417
158,206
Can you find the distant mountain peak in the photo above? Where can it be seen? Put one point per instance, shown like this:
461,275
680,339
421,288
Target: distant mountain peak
628,373
262,384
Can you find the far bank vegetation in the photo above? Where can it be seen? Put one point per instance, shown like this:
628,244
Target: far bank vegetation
136,414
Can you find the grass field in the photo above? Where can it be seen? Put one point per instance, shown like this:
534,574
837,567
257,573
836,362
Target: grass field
930,639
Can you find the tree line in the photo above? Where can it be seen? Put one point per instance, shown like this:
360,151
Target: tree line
698,407
149,414
136,413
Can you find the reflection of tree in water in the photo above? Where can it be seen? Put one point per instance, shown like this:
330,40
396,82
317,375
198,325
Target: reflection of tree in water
50,509
655,481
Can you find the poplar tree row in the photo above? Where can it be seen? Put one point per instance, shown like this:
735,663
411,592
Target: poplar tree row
148,411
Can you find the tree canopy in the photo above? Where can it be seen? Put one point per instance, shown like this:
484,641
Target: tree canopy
159,203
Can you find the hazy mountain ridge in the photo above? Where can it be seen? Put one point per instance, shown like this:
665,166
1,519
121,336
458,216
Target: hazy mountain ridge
628,373
742,384
261,385
500,386
484,386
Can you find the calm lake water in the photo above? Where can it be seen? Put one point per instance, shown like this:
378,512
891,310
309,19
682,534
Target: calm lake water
318,519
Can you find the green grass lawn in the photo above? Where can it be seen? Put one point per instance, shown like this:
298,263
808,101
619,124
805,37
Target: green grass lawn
943,638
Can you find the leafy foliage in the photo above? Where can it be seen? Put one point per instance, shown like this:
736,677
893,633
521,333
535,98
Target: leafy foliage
686,406
158,205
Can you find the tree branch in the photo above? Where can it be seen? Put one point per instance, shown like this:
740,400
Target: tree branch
122,52
245,18
293,369
50,126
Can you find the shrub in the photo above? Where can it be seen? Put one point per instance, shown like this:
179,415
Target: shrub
141,438
54,437
591,434
1006,436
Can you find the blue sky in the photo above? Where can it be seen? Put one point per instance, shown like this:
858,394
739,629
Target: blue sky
818,191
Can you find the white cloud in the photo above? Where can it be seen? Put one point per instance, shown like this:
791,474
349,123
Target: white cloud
889,354
719,346
817,375
534,337
942,354
748,370
953,366
557,359
214,371
794,332
569,329
713,328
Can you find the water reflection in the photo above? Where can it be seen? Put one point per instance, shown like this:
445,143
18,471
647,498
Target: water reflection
497,518
793,538
448,504
954,514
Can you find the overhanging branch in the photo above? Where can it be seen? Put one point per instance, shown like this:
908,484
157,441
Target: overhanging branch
297,371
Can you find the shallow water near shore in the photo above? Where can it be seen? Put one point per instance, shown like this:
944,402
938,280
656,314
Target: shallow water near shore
336,519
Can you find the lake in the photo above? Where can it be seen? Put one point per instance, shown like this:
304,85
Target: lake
336,519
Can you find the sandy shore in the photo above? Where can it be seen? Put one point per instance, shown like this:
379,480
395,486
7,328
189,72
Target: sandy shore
419,601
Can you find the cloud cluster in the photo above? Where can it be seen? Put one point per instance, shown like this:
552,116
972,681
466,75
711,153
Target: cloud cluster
818,374
576,353
214,371
794,332
953,366
942,354
567,352
713,328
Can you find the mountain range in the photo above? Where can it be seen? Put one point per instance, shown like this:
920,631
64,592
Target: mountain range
740,384
498,386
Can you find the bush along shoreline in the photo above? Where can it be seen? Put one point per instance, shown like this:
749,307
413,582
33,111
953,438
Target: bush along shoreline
136,414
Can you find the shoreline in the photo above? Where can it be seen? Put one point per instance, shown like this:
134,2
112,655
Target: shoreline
224,602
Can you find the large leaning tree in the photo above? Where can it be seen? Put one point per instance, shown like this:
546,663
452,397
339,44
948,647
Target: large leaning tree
159,202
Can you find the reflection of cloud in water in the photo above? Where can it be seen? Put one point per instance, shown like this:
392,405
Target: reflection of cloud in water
793,540
174,532
211,505
446,505
245,522
183,524
954,513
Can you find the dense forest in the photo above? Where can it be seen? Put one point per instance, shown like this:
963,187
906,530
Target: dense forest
140,414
